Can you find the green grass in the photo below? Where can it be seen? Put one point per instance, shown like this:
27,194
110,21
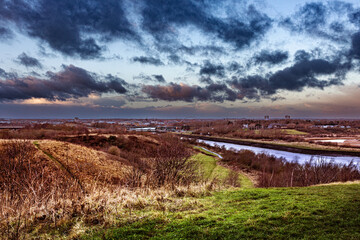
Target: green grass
321,212
210,170
294,132
286,131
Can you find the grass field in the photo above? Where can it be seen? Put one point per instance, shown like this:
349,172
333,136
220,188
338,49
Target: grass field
286,131
211,170
319,212
294,132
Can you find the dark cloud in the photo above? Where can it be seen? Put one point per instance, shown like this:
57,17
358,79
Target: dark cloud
3,73
173,58
5,33
323,19
304,73
71,82
211,69
181,92
234,66
354,17
161,18
159,78
302,55
28,61
70,26
202,50
271,58
355,45
154,78
148,60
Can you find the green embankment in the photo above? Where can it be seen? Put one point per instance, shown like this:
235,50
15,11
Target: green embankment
285,131
210,169
320,212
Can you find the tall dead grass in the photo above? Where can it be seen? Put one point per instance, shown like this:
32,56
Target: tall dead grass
37,197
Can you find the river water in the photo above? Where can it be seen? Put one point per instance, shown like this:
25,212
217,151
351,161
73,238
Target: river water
289,156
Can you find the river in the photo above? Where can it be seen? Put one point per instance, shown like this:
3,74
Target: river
289,156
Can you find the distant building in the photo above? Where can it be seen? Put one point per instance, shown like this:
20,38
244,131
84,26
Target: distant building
287,116
267,117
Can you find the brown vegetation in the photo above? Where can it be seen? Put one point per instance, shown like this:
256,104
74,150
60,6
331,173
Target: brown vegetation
50,184
277,172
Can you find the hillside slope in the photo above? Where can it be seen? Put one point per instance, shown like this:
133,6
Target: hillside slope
86,164
319,212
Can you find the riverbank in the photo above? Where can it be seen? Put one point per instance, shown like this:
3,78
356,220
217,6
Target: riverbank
295,147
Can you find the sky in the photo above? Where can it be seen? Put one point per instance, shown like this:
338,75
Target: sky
179,59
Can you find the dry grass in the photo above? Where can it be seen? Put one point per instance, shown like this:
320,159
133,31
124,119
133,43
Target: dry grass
58,189
85,163
100,206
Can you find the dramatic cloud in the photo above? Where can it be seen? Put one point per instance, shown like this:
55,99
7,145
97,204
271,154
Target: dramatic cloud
271,58
71,82
159,78
3,73
182,92
202,50
302,74
355,45
69,26
323,19
210,69
148,60
5,33
28,61
161,17
153,78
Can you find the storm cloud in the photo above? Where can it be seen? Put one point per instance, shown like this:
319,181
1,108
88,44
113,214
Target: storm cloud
182,92
271,57
69,26
5,33
304,73
71,82
211,69
161,17
355,45
154,78
148,60
323,19
28,61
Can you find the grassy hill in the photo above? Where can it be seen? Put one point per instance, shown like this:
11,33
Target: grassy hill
85,164
319,212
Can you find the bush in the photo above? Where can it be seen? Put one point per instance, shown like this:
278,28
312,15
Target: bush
113,150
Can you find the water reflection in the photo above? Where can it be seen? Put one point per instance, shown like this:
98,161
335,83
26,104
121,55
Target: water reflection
289,156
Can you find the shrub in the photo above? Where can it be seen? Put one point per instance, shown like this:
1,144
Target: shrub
113,150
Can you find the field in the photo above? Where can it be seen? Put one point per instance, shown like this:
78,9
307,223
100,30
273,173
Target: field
319,212
211,170
158,187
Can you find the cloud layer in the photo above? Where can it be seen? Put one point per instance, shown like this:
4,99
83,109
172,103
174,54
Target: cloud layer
209,51
71,82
